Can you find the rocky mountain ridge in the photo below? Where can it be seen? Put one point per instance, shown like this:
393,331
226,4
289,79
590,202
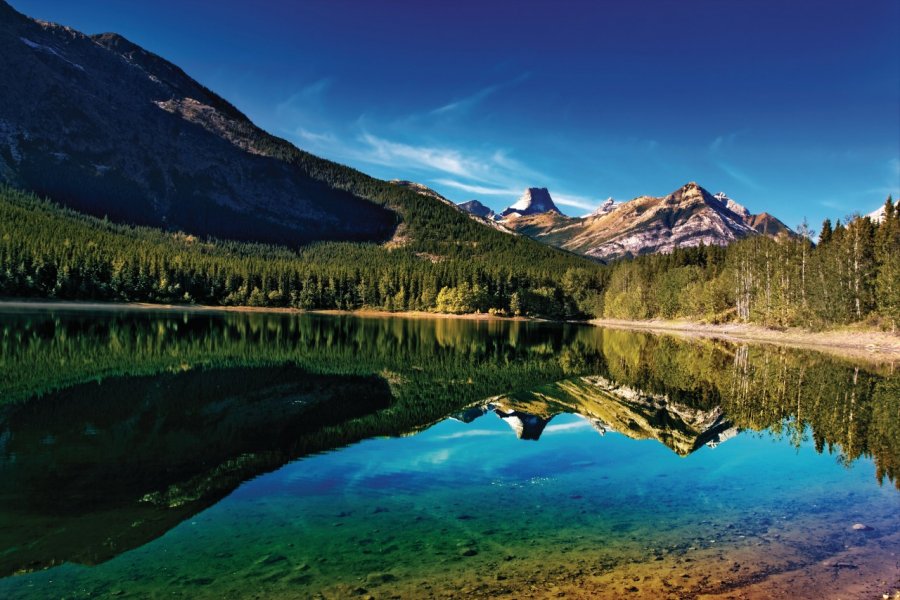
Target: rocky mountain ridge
609,406
689,216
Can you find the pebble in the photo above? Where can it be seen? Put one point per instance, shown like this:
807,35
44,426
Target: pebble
861,527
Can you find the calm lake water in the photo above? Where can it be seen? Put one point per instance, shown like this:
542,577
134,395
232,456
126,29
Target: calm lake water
151,454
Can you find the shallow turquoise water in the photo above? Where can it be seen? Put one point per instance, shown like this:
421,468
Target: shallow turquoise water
451,507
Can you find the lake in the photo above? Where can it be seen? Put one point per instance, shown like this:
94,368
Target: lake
169,454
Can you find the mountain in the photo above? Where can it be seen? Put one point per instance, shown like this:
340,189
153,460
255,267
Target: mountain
99,125
689,216
103,126
763,223
478,209
534,201
609,406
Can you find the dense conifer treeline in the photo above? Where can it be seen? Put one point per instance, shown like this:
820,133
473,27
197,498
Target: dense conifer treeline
851,275
454,266
51,252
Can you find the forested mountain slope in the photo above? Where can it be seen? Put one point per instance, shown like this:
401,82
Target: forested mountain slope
52,252
851,275
98,124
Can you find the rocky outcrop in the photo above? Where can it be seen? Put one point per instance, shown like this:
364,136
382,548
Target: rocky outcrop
101,125
533,202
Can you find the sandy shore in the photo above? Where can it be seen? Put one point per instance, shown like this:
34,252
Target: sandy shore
857,343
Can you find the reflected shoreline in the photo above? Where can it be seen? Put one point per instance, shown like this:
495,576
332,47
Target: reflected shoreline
117,428
867,345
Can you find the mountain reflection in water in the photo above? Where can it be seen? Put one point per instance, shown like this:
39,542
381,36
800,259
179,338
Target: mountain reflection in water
607,406
116,427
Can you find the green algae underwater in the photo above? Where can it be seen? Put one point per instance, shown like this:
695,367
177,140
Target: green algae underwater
166,454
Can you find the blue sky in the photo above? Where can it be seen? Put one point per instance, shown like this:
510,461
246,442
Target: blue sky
789,107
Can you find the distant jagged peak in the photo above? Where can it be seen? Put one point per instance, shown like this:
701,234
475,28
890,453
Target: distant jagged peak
478,209
606,207
534,201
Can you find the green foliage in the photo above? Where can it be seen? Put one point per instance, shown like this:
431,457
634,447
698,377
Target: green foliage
449,264
852,275
436,367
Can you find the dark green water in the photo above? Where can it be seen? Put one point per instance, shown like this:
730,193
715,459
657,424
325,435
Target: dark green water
234,455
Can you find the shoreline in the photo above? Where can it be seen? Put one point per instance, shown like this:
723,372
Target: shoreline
868,344
855,343
88,305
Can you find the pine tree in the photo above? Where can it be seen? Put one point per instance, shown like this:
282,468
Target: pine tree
826,234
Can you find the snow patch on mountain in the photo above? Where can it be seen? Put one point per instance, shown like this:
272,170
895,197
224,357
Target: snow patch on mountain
731,205
49,50
878,215
608,206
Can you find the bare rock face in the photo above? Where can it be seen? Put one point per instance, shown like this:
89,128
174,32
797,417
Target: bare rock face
607,206
534,201
105,127
688,217
729,204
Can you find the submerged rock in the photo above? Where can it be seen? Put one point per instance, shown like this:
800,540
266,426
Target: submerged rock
379,578
861,527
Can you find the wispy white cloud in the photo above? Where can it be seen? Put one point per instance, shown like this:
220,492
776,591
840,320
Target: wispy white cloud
724,141
575,201
476,170
466,103
470,433
297,107
316,138
478,189
445,160
566,427
738,175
